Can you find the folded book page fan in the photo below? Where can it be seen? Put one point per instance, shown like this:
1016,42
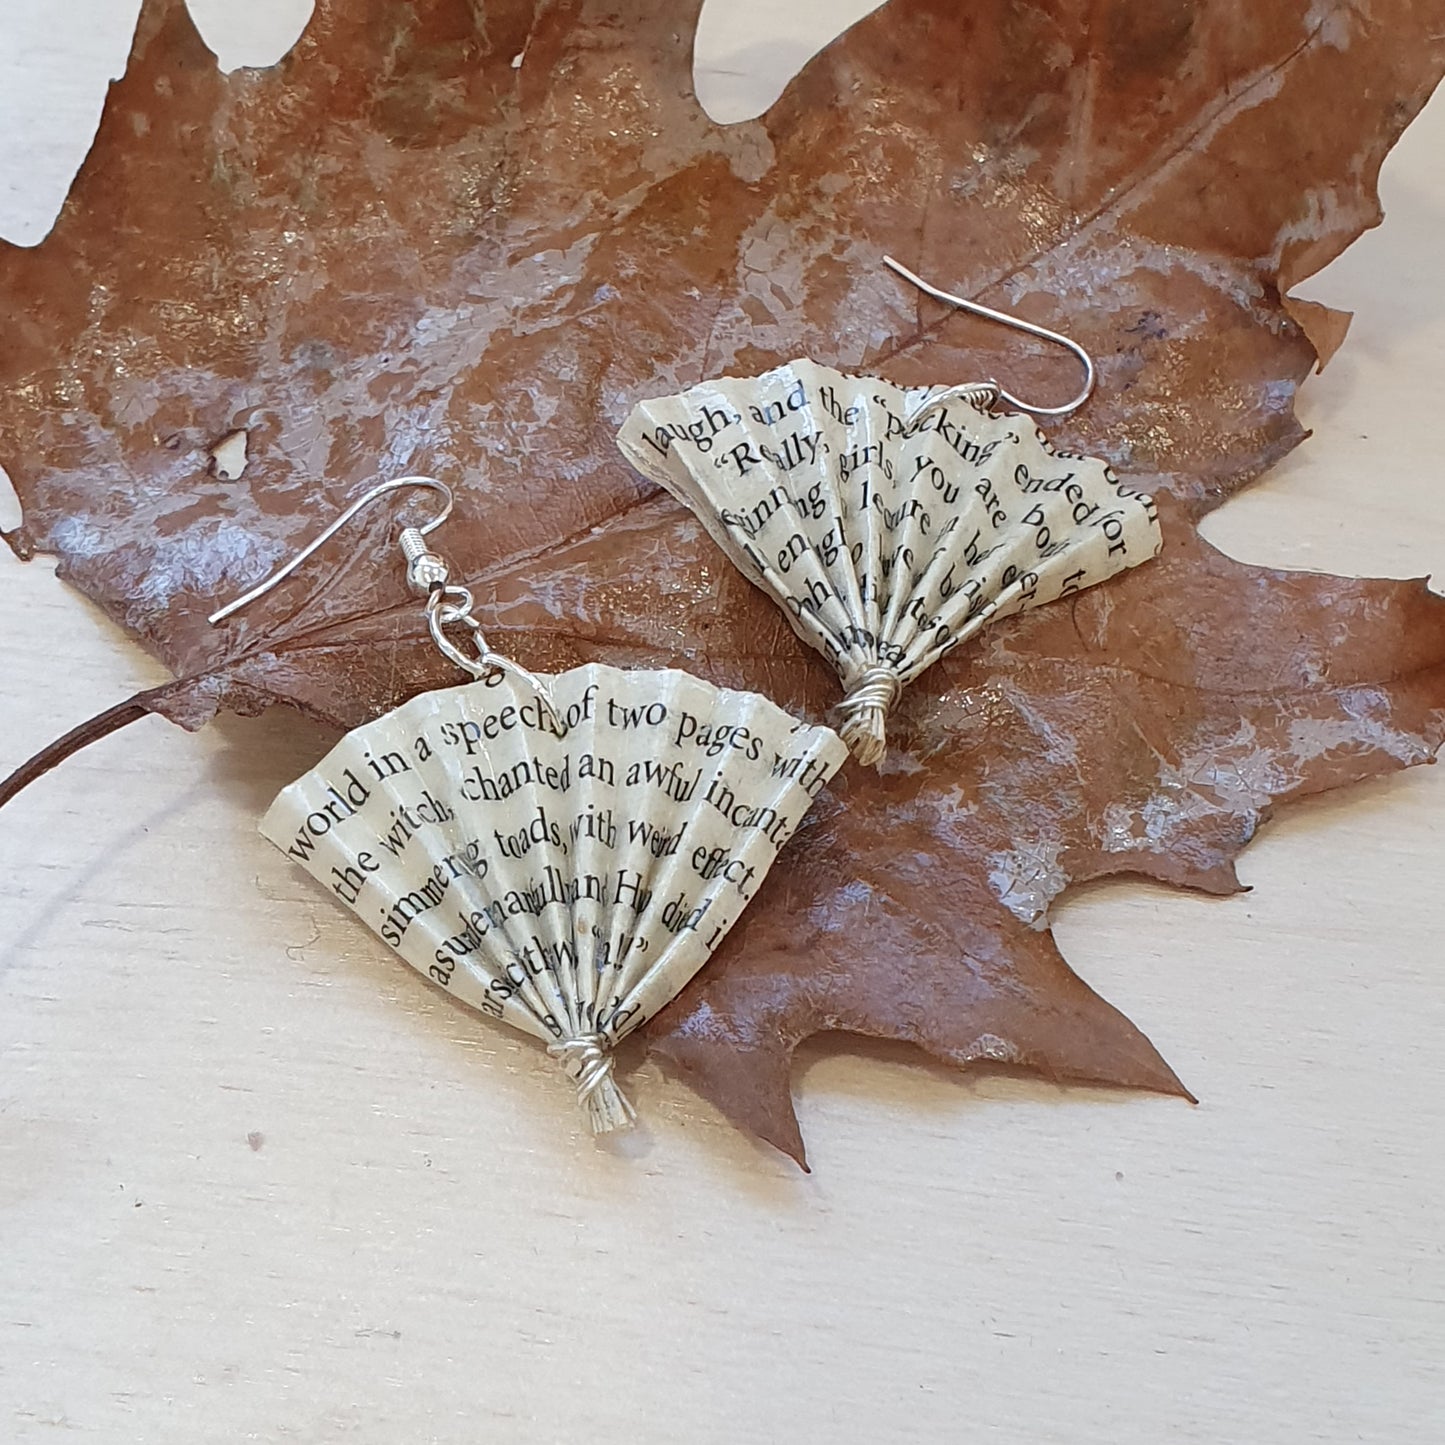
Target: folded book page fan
890,524
562,853
567,878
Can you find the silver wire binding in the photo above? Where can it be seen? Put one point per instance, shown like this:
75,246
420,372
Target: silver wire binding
979,390
427,575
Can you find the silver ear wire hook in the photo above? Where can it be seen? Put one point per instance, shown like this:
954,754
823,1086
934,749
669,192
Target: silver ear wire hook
447,605
973,390
357,507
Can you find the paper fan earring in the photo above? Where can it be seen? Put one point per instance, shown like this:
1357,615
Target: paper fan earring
891,523
561,853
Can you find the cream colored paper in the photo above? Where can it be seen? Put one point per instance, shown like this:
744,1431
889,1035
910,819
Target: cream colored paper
887,541
566,884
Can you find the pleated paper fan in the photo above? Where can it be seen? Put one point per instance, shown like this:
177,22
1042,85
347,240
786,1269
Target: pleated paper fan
568,882
889,529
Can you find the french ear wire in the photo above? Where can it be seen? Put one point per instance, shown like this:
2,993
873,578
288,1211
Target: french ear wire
340,521
990,391
447,606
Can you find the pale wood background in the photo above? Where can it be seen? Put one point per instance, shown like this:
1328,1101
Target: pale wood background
258,1183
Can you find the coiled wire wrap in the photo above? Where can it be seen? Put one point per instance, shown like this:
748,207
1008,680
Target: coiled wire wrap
976,393
864,712
872,697
588,1062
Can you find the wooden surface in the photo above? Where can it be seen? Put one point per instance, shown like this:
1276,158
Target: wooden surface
258,1183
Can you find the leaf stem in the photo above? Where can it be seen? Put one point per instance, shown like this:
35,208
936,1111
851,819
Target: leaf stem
143,704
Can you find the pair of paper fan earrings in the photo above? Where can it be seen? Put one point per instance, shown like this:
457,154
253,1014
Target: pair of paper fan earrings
564,852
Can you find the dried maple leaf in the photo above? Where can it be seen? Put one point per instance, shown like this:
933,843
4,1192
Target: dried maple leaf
463,240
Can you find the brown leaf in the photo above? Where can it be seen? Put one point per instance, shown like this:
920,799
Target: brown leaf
401,252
